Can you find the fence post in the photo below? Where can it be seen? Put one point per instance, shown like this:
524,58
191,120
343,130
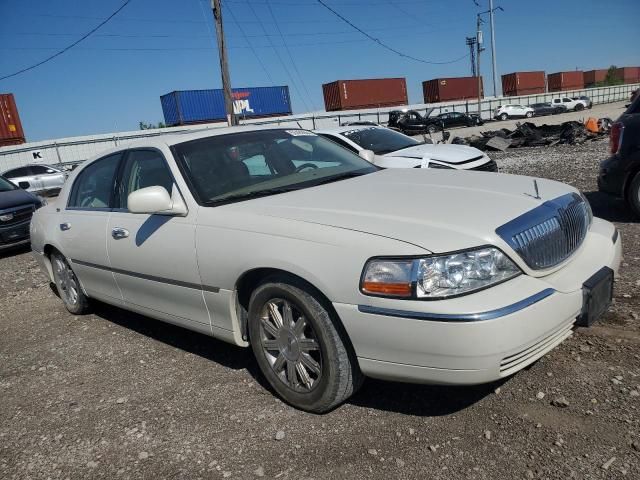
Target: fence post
58,152
115,141
313,121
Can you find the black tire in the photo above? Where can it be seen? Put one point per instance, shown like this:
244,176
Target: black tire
339,374
633,194
529,114
504,116
68,285
432,129
579,107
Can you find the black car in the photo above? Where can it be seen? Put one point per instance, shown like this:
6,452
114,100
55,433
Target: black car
458,119
541,109
411,122
620,173
16,208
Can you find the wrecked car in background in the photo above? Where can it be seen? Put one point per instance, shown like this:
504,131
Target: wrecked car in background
411,122
388,148
326,266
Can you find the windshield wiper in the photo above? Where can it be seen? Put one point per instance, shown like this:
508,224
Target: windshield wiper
340,176
249,195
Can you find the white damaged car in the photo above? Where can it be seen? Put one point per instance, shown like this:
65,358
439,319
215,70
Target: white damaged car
391,149
328,267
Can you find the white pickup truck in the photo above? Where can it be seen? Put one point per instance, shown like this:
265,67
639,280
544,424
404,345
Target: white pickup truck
569,103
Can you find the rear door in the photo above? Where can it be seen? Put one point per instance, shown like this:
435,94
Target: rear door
83,227
153,257
48,177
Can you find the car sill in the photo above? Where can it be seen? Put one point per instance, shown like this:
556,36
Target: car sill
461,317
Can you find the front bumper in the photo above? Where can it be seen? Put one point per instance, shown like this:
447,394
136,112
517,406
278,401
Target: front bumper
471,351
612,176
14,235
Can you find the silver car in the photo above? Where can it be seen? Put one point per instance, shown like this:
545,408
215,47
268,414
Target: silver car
37,178
327,266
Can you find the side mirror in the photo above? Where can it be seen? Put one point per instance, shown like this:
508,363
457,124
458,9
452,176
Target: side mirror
156,200
367,155
24,185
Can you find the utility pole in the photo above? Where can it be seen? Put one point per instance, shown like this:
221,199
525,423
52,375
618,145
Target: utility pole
479,49
224,67
471,43
493,49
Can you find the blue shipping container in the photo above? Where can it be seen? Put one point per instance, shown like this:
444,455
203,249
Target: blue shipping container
195,106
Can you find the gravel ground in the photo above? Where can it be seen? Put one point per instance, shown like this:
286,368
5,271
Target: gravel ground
118,395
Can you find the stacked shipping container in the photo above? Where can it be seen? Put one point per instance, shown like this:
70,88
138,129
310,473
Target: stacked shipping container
200,106
446,89
365,93
11,132
523,83
628,74
591,77
559,81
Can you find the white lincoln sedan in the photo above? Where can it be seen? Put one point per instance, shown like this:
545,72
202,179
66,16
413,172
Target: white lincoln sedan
328,267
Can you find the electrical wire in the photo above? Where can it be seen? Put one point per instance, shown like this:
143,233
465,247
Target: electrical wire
69,47
293,62
384,45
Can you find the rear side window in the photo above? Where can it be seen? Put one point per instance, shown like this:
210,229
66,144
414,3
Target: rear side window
94,187
144,168
18,172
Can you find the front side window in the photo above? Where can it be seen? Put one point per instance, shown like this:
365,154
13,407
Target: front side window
233,167
18,172
94,186
380,140
143,168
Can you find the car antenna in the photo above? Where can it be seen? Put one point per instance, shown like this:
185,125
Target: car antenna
535,187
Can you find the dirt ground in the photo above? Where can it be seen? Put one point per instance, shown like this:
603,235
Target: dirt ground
117,395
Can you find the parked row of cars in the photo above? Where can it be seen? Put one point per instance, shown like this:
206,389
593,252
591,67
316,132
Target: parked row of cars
300,246
556,106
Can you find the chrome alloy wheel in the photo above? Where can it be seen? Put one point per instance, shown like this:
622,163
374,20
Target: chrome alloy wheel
67,280
290,345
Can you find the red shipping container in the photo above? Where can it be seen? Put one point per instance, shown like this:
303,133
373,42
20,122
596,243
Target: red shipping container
628,74
11,132
523,83
365,93
447,89
560,81
591,77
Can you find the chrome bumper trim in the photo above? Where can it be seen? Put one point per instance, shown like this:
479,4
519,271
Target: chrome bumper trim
461,317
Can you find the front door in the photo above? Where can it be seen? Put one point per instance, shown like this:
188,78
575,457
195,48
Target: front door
82,231
153,257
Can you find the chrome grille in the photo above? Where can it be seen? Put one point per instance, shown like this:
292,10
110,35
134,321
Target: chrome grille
16,215
550,233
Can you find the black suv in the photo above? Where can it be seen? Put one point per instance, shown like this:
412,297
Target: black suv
620,173
16,208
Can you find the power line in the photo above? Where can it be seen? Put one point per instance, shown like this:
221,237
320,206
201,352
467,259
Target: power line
293,62
384,45
284,66
57,54
255,54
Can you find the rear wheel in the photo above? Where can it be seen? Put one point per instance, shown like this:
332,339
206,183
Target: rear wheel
529,114
68,285
504,116
633,195
299,349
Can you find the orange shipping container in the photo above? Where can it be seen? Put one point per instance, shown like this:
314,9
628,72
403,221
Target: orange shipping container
628,74
447,89
591,77
11,132
523,83
560,81
366,93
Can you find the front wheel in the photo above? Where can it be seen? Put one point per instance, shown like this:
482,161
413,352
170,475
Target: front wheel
68,285
299,349
579,107
529,114
431,129
633,195
504,116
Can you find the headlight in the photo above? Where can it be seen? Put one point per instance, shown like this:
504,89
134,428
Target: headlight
438,276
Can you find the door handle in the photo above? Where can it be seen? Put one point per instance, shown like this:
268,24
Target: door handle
65,226
119,233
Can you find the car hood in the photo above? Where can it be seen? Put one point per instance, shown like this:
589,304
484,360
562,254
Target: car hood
13,198
446,153
436,210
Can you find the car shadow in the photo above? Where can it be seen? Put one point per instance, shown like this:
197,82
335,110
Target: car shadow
15,251
409,399
610,208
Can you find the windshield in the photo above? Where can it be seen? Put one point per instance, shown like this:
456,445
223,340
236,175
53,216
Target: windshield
380,140
225,168
6,185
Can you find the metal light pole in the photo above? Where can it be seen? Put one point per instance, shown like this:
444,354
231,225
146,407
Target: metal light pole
224,67
479,49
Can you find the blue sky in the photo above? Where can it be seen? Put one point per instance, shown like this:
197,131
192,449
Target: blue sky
114,79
